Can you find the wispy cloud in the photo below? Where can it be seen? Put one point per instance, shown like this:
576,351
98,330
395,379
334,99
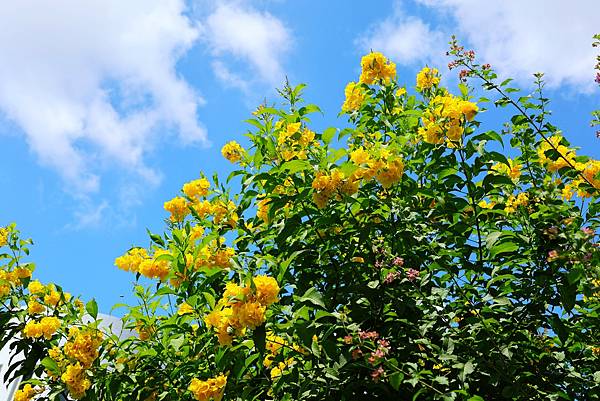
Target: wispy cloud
90,82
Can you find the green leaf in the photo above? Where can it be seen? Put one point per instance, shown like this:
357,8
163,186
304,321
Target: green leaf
468,368
294,166
396,379
92,309
50,364
503,247
328,134
568,294
156,238
313,296
210,299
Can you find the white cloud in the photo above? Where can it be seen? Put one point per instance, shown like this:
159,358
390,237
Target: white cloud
523,37
405,39
250,37
91,82
89,216
517,37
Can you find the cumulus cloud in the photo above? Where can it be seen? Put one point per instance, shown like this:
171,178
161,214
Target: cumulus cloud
518,38
406,39
523,37
237,34
90,82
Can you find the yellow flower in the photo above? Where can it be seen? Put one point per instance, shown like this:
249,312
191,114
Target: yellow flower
391,173
76,380
262,209
35,287
401,92
3,236
154,268
83,345
427,78
131,260
26,393
376,67
469,109
196,232
360,156
355,96
22,272
513,170
250,314
267,290
232,151
185,309
513,202
178,207
196,188
591,171
485,205
566,158
34,307
208,390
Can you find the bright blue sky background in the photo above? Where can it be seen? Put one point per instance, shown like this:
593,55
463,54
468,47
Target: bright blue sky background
106,110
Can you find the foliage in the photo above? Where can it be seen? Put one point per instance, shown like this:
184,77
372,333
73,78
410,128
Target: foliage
403,257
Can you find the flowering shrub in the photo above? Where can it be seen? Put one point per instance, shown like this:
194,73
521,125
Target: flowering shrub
403,257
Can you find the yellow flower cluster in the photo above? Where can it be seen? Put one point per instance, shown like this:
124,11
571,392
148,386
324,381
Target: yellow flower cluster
34,307
76,380
77,355
51,297
137,260
214,254
3,236
566,153
242,307
513,202
589,174
46,327
277,371
222,211
26,393
178,207
155,267
12,278
82,345
379,163
333,184
274,345
428,78
513,169
376,67
208,390
185,309
355,96
293,140
144,330
485,205
444,119
130,262
262,209
196,188
232,151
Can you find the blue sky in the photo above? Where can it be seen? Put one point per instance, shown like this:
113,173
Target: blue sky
107,109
